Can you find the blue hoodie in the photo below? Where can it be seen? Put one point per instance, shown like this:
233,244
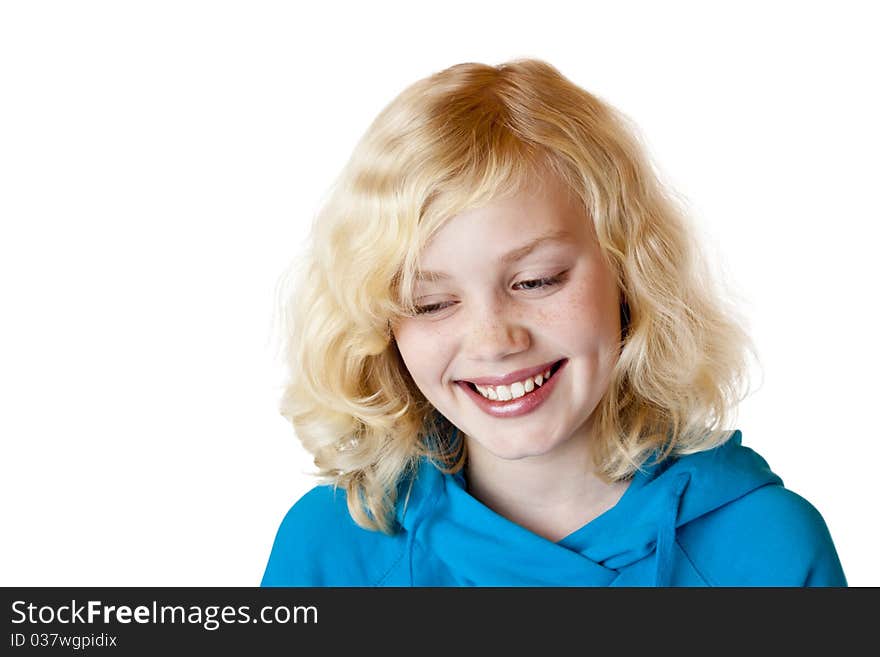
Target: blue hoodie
715,518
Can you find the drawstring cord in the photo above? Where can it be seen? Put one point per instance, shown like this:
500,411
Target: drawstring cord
409,549
666,531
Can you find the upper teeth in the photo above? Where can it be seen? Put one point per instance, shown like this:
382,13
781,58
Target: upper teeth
514,390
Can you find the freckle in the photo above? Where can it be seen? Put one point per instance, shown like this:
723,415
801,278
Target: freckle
556,313
577,308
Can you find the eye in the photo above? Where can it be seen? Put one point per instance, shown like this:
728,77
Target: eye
534,284
539,283
432,308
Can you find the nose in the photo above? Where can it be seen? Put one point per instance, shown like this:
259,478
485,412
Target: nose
494,331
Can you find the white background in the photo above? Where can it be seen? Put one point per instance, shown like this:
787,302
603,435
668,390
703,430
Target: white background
160,163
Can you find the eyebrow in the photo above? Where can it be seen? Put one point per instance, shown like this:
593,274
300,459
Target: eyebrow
511,256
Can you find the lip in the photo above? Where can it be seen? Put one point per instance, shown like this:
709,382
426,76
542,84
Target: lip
518,375
515,407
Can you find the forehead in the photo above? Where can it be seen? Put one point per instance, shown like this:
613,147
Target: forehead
508,228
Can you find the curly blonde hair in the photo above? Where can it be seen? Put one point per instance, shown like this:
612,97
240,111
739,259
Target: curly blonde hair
456,140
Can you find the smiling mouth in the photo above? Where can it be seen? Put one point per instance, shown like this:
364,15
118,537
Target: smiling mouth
516,390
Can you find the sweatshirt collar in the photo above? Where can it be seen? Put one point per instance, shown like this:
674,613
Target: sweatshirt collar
481,546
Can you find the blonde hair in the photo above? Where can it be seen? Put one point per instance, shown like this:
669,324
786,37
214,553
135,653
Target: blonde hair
456,140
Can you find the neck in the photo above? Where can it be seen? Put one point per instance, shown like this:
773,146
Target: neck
551,494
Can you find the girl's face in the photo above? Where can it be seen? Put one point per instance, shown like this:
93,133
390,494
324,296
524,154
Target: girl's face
507,292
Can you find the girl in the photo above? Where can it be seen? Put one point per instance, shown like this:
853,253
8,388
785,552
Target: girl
511,367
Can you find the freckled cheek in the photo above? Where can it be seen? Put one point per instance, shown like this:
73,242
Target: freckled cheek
586,314
424,352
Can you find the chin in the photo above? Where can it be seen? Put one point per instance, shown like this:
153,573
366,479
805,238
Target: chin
515,450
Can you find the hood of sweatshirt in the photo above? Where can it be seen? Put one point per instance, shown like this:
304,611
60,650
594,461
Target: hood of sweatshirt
450,531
